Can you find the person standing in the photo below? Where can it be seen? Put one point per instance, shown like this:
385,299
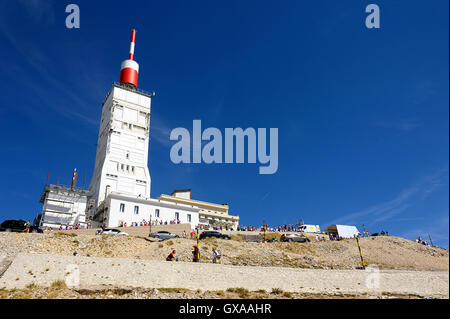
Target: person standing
27,226
196,254
216,256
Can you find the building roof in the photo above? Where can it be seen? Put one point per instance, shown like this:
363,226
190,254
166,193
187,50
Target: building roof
181,191
62,188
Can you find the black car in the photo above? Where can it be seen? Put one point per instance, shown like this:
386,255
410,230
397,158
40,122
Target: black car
17,225
211,233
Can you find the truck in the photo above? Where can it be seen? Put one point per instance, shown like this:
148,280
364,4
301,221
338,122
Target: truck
309,228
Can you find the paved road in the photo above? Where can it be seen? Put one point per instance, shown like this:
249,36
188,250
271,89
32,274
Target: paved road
43,269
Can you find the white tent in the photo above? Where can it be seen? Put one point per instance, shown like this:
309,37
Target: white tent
343,231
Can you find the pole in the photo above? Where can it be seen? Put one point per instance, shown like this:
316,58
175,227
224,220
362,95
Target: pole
431,242
198,246
264,226
150,224
360,254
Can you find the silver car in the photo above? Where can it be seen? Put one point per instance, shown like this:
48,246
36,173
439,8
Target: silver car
162,234
110,231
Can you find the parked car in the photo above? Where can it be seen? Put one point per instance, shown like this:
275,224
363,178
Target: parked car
17,225
294,237
212,233
162,234
110,231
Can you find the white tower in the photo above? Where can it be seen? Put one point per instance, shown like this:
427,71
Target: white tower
122,147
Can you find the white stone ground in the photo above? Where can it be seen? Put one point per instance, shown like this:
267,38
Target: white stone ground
94,272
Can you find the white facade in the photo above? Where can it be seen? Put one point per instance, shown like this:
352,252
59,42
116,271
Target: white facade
310,228
122,147
63,206
344,231
118,209
210,214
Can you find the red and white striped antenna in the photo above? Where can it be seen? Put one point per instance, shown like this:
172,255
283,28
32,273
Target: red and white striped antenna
129,70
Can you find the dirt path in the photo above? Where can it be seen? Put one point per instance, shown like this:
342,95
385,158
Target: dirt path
44,269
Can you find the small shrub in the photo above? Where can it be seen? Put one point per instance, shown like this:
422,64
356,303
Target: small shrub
169,243
237,237
61,234
261,291
31,286
277,291
59,284
242,292
287,294
173,290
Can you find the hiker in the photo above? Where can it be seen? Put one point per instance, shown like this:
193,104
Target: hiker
27,226
171,256
216,256
196,254
183,234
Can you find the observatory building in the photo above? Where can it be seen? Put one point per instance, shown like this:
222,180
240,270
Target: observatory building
119,192
120,186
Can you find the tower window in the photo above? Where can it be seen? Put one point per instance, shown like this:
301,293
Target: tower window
122,207
157,212
189,218
136,210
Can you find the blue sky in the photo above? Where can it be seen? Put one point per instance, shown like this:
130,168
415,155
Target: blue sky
362,113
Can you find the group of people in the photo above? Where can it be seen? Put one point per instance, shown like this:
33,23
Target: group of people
421,241
281,229
70,227
155,222
216,255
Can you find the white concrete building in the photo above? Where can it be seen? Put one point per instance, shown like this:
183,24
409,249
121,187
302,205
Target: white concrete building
122,147
118,209
120,186
210,214
63,205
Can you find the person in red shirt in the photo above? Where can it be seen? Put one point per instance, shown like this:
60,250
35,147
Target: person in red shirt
171,256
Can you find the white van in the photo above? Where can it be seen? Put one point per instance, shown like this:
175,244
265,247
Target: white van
310,228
